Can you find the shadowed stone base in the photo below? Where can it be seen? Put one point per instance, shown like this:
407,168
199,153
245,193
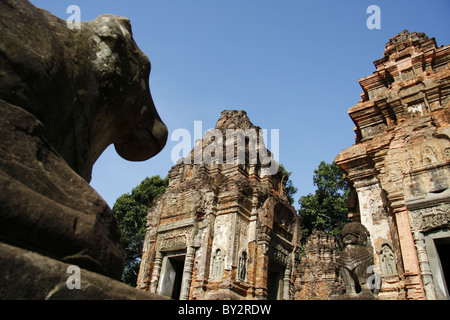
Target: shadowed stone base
364,295
29,276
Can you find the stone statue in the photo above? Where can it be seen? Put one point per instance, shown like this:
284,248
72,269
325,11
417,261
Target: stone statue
242,270
388,265
65,96
355,258
217,267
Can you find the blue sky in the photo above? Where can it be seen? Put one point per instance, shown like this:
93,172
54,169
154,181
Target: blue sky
292,65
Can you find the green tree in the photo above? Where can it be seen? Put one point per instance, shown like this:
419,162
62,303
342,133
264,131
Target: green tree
130,211
325,210
289,187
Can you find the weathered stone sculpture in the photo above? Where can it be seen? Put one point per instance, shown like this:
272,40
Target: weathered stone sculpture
65,95
355,259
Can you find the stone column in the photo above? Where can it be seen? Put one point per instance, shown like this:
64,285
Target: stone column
156,272
187,273
287,283
372,212
425,270
261,264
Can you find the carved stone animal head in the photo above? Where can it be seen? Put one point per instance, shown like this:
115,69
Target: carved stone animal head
354,233
65,95
89,87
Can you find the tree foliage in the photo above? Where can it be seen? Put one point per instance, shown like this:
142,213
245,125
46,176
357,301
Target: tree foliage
130,211
325,210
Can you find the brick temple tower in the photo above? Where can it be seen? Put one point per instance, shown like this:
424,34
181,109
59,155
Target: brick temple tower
399,168
222,230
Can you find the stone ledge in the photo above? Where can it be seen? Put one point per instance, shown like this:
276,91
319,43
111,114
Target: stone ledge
27,275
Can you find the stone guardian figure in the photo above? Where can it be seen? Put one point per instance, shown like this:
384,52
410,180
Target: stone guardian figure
355,260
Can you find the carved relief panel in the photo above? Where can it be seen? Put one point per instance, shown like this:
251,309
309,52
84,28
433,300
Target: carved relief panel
283,222
426,219
174,239
387,258
426,167
217,264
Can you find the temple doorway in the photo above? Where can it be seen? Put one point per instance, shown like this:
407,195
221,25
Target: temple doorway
171,277
438,252
443,251
275,281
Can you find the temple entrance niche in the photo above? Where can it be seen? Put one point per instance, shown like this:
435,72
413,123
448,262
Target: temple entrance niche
217,265
171,278
275,283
